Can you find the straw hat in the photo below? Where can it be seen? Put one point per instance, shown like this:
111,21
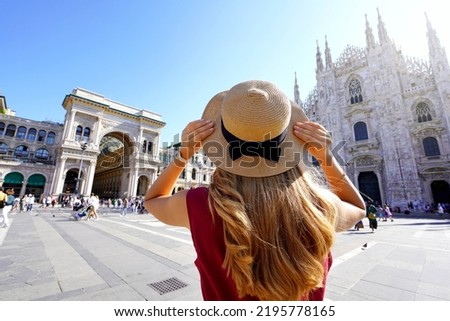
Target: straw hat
253,136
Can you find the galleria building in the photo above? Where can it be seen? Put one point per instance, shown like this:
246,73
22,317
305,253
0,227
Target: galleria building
388,114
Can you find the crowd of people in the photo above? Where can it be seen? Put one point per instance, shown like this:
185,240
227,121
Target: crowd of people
427,207
24,203
384,213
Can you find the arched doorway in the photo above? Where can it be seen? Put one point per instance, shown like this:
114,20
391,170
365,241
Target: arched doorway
13,180
35,185
70,181
112,171
142,185
441,191
369,186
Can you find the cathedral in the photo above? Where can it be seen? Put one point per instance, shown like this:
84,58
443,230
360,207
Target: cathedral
389,117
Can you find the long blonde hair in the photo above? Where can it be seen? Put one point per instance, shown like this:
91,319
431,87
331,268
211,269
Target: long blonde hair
278,231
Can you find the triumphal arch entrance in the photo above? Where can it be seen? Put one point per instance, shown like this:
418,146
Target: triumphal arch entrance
108,148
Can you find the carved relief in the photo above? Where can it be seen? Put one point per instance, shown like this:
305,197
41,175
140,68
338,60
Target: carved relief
365,161
351,59
106,124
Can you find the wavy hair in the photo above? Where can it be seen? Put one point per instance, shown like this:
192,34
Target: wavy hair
278,231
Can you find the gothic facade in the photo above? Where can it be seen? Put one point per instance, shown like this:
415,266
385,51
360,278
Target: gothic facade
389,117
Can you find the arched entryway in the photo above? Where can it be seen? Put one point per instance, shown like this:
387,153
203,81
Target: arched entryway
112,171
440,191
70,181
142,185
369,186
13,180
35,185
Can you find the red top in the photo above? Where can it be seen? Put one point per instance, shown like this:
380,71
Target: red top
210,247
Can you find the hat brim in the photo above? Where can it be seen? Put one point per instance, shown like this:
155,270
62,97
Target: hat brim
293,150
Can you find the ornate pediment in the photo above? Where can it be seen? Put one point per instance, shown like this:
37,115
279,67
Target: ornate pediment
363,145
360,108
430,128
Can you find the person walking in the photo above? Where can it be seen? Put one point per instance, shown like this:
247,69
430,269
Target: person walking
440,210
387,213
380,212
372,216
8,200
263,229
94,203
30,202
3,198
125,204
21,203
359,225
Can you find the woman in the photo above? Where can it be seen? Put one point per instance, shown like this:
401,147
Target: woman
387,213
372,216
359,225
9,201
264,228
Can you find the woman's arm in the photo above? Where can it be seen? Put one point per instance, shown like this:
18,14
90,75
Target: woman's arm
159,201
351,206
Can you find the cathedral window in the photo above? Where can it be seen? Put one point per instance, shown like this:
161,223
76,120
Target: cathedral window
144,146
423,112
360,129
2,128
431,147
355,92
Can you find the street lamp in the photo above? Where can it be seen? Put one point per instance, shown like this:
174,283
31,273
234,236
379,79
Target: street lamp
77,185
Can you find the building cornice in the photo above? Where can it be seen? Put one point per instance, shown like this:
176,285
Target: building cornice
108,109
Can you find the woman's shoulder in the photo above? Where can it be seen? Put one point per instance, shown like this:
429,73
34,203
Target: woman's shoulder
197,192
197,198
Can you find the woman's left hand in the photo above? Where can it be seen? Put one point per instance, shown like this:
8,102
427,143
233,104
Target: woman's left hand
193,135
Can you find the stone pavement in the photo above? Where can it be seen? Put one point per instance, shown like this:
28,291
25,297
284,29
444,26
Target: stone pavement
44,256
49,257
404,260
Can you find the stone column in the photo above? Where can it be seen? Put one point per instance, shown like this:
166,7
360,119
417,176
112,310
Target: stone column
97,130
69,133
90,173
58,179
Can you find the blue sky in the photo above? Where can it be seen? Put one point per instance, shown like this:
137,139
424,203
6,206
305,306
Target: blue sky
171,57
